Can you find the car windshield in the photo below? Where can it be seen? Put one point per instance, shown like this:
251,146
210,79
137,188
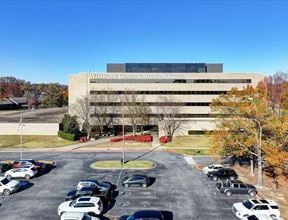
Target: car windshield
4,181
72,203
211,166
247,204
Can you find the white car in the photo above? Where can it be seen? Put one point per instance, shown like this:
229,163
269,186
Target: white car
86,204
26,173
256,207
8,186
212,167
261,217
77,216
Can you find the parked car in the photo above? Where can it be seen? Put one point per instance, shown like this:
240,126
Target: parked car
212,167
28,163
105,194
77,216
8,186
256,206
87,204
147,214
26,173
95,183
225,173
4,167
136,180
260,217
229,187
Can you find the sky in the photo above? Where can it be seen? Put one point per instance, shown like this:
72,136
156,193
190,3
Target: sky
44,41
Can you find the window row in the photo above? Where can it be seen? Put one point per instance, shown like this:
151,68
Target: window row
150,103
107,92
170,80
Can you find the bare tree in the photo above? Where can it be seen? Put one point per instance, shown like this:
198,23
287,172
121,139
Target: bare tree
130,108
144,112
81,108
104,109
167,113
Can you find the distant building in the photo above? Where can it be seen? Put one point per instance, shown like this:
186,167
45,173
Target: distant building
191,85
13,103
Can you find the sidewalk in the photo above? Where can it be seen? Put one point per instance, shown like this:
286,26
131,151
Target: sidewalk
90,146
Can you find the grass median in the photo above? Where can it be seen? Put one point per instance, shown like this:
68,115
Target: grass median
33,141
116,164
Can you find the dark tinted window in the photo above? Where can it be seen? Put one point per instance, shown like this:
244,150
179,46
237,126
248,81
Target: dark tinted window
84,205
274,207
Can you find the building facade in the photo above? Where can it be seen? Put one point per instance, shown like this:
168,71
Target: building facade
191,91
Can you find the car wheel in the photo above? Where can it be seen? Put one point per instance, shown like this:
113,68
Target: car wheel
144,185
215,178
27,177
126,185
61,213
9,177
252,193
6,192
228,193
273,216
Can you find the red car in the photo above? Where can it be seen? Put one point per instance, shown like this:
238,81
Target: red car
28,163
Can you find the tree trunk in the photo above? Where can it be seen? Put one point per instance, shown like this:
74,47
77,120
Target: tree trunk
251,166
259,154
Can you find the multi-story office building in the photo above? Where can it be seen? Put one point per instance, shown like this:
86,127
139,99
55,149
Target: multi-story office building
191,86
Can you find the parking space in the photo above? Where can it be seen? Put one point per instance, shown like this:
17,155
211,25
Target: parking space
180,190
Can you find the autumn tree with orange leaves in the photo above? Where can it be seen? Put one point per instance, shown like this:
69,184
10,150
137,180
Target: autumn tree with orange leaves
248,125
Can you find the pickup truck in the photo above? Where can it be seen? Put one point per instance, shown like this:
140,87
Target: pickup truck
229,187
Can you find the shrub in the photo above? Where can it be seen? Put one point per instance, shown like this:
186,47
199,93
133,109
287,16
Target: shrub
67,136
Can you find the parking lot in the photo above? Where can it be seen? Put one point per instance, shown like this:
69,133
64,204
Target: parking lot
180,190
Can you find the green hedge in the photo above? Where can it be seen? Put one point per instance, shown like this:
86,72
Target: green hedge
67,136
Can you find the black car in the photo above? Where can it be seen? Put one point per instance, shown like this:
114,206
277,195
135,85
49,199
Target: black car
104,194
136,180
229,187
225,173
4,167
147,214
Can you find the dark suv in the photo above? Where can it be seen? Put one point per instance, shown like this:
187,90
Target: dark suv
225,173
229,187
4,167
104,194
135,179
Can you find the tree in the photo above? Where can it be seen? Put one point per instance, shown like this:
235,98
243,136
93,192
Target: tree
104,109
130,108
81,109
69,124
167,114
246,124
144,112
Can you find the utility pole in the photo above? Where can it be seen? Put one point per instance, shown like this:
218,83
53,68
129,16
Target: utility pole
21,135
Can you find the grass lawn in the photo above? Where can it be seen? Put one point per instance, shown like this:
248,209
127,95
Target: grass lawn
33,141
130,144
116,164
192,152
191,141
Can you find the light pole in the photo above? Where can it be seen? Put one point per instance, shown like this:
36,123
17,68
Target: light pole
21,135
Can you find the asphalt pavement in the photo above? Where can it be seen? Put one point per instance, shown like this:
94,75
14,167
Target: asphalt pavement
180,190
